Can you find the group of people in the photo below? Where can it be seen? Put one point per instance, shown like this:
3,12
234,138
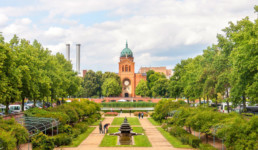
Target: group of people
104,129
140,114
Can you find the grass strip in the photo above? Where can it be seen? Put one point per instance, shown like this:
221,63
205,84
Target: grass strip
153,122
139,140
172,140
97,122
131,121
77,141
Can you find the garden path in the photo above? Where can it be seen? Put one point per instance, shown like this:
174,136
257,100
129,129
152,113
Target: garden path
155,137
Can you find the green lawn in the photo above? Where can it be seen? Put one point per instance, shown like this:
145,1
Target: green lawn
139,140
97,122
153,122
77,141
131,120
172,140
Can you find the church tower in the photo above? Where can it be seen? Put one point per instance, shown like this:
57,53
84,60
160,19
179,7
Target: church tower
126,72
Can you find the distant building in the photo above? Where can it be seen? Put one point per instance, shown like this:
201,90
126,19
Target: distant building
167,72
84,73
129,79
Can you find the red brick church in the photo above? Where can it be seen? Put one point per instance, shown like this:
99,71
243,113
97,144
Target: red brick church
129,78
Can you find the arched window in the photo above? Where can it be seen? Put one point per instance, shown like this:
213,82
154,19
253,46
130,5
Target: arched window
126,68
129,68
123,68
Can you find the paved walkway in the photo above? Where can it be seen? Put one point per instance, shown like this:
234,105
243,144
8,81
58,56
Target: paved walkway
155,137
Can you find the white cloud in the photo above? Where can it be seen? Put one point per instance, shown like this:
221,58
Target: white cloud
3,19
152,27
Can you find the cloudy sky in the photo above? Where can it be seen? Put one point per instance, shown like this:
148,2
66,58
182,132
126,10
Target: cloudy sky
159,32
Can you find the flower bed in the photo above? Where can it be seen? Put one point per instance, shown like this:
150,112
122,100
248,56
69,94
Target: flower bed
111,113
144,114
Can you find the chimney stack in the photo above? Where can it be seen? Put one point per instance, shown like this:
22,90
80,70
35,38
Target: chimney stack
78,58
68,52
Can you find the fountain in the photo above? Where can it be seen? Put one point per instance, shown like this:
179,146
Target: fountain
125,134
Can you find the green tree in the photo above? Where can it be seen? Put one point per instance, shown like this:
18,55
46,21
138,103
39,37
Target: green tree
90,84
142,88
111,87
160,88
10,76
244,59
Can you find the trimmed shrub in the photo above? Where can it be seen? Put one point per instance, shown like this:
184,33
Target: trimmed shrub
42,142
76,132
164,126
137,113
62,139
206,147
111,113
66,129
177,131
194,141
89,120
82,126
7,141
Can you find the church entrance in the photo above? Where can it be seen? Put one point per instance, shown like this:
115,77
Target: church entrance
126,95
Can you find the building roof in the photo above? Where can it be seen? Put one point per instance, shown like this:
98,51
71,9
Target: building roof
126,52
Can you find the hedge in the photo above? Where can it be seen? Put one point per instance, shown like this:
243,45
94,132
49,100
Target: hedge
206,147
184,136
111,114
128,104
125,111
62,139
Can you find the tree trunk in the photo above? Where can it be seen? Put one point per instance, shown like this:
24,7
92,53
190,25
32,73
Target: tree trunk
7,108
23,99
34,102
200,101
43,106
216,102
204,99
190,131
188,100
227,101
244,103
206,137
208,100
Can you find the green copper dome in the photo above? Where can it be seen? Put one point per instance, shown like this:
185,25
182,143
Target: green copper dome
126,52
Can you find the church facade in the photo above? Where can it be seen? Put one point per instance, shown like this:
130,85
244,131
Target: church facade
129,78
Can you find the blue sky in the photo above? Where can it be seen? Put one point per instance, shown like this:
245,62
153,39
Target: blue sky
160,33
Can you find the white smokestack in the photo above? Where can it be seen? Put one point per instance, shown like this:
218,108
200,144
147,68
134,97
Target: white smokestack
78,58
68,52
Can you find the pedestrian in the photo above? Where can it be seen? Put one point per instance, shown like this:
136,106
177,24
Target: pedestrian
142,115
106,127
100,127
121,111
111,109
139,115
130,112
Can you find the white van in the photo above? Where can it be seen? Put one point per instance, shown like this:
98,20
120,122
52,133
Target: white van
15,108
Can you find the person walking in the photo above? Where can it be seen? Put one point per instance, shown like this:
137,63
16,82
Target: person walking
106,127
100,127
130,112
121,111
142,115
139,115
